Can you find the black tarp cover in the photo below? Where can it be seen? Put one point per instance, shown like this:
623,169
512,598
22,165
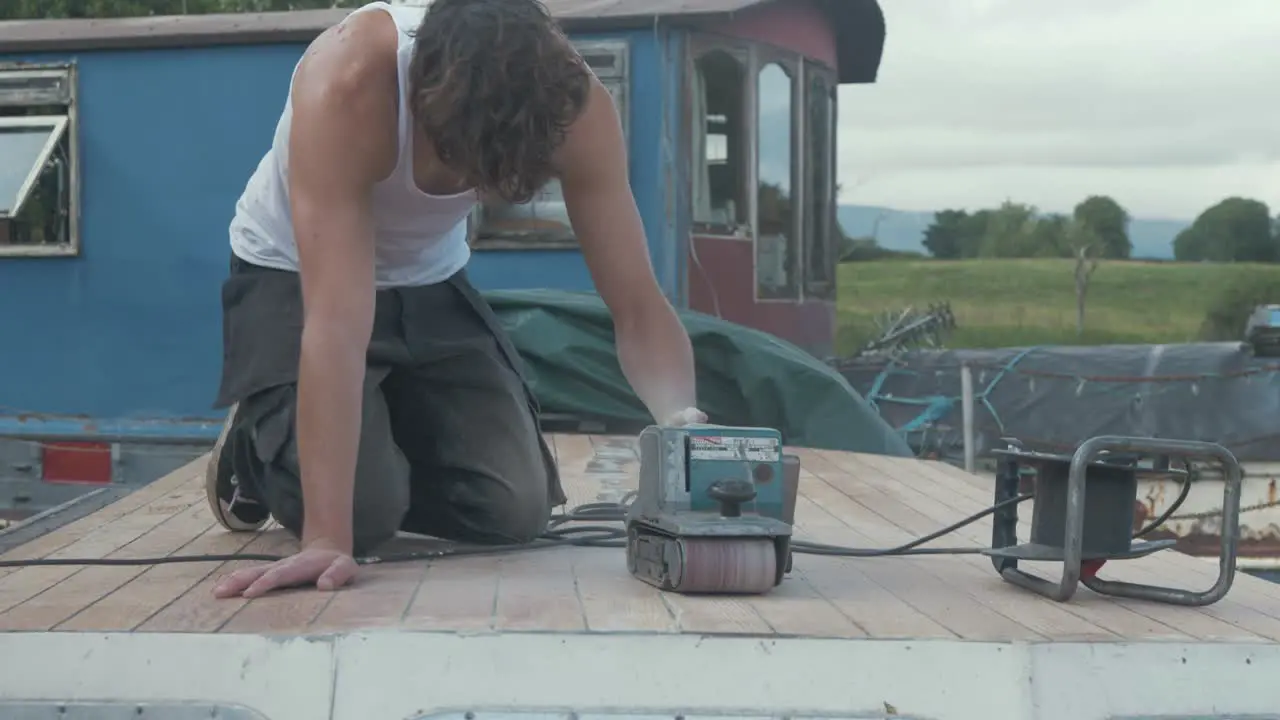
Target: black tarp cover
1057,397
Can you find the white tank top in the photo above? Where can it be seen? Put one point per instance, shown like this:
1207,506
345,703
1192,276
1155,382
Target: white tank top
420,239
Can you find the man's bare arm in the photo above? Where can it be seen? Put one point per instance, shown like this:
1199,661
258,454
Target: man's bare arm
653,347
343,140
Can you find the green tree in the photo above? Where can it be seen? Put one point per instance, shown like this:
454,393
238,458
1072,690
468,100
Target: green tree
956,234
974,229
1052,236
1011,232
1109,222
1234,230
1192,245
945,237
1226,317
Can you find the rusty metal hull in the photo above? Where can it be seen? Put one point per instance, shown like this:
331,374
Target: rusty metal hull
1196,526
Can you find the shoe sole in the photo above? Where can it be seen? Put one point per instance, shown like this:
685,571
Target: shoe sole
221,510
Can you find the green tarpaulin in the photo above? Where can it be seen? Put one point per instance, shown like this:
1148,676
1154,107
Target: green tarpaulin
745,377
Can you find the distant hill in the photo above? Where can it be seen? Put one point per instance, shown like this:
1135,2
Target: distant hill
904,229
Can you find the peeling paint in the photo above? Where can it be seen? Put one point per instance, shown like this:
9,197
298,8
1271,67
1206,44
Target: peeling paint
1196,525
39,426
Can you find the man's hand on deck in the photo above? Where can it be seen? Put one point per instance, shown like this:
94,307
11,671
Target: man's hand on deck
317,564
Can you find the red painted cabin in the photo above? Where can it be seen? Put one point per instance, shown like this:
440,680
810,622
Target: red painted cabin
760,112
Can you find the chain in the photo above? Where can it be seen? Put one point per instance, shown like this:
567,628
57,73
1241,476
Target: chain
1217,513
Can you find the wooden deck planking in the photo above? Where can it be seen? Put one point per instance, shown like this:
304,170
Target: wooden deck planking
26,584
1057,620
136,602
1249,610
608,599
939,590
927,514
846,499
1199,625
196,610
46,545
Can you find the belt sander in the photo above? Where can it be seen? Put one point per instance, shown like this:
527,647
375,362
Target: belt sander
713,510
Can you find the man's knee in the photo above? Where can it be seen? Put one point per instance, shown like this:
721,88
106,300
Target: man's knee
511,478
488,503
521,516
521,484
381,484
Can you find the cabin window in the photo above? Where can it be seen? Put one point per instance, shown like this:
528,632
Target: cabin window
543,222
38,183
820,191
719,148
777,240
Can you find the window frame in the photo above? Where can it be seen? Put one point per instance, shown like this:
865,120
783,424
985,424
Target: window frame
24,85
755,55
791,62
617,79
699,46
822,288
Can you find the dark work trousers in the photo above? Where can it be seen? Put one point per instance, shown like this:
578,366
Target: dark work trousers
449,439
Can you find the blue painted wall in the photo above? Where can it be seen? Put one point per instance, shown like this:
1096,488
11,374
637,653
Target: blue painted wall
132,327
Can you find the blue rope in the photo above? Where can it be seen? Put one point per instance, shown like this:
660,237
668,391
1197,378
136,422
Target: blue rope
983,396
937,407
873,395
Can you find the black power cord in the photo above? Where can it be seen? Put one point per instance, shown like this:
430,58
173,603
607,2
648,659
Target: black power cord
1187,477
592,533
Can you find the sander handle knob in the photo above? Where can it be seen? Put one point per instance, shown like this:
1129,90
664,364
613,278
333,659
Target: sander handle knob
731,494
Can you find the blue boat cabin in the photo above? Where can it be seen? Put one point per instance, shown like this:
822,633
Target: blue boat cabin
125,143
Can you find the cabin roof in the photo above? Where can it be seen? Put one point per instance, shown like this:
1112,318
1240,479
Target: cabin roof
858,26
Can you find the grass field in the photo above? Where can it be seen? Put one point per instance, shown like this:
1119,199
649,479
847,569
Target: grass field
1003,303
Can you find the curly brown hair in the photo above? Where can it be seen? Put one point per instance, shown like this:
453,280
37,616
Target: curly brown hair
495,85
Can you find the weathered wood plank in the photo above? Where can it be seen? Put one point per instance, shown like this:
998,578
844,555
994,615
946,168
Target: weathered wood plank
846,499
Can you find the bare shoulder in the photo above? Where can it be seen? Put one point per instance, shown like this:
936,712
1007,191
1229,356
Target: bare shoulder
594,141
358,54
345,92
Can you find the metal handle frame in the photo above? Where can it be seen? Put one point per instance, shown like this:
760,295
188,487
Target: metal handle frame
1005,523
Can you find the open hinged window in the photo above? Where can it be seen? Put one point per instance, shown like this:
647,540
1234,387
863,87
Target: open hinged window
37,161
779,176
762,131
544,221
720,150
26,145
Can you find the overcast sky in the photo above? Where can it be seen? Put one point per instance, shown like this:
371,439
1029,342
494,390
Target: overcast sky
1167,105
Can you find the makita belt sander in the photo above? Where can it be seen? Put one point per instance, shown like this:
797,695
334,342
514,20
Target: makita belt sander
713,510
